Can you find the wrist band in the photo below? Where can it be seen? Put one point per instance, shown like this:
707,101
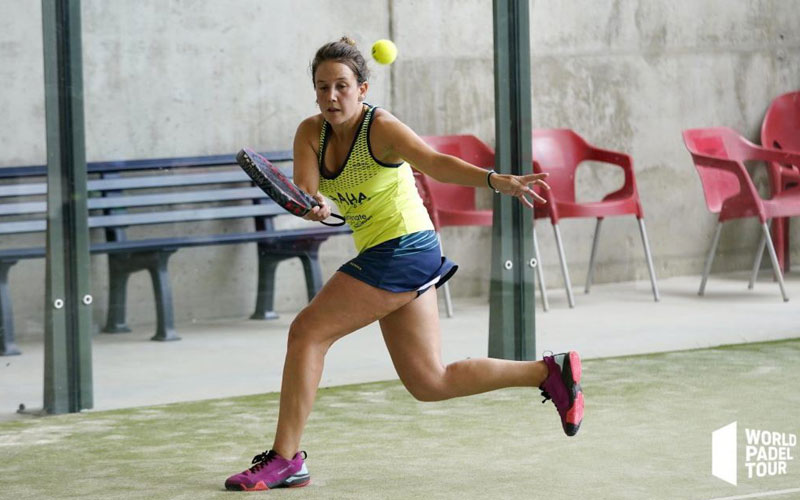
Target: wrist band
489,181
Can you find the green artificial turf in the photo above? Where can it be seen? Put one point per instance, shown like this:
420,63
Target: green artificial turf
646,435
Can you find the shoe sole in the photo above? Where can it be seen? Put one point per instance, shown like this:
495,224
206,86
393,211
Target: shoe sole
262,486
571,376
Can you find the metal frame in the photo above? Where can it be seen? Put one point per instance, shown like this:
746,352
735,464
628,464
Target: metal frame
766,241
68,357
592,261
68,368
511,317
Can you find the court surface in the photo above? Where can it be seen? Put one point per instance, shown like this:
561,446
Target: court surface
647,432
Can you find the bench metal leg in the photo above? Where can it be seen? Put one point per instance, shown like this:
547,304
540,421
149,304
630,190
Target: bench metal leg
165,327
120,268
7,345
265,293
118,273
269,256
313,273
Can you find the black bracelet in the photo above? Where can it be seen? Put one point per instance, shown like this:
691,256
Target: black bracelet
489,181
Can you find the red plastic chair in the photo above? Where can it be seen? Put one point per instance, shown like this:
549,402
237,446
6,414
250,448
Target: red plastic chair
781,130
559,152
454,205
719,154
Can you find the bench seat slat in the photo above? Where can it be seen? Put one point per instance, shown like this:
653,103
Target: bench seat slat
164,217
40,207
122,183
147,164
166,180
242,211
251,193
31,207
23,189
189,241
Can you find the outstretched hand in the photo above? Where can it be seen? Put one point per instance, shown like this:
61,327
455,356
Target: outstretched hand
520,186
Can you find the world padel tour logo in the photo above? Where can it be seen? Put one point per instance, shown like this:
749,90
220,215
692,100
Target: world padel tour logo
766,453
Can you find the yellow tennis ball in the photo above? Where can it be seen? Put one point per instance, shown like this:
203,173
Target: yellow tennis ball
384,51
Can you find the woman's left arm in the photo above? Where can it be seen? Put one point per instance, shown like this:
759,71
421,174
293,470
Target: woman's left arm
392,140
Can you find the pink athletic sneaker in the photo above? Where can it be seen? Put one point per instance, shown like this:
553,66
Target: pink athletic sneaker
271,471
563,387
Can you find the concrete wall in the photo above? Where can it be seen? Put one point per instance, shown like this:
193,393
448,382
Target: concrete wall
192,77
631,75
627,75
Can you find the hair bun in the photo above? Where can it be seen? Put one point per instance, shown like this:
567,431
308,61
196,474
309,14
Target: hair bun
349,41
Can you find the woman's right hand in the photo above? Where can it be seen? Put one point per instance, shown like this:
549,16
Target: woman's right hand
319,213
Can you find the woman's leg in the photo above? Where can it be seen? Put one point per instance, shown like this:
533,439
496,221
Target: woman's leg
344,305
412,336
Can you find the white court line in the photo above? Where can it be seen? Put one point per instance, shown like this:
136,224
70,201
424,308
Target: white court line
760,495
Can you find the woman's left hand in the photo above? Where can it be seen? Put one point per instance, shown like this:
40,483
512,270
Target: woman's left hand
519,186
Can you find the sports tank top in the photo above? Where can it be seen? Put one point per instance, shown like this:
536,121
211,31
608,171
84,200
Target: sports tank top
378,200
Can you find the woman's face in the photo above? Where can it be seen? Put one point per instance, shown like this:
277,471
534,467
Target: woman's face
339,95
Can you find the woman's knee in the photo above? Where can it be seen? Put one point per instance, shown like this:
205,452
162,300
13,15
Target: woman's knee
303,334
300,332
431,387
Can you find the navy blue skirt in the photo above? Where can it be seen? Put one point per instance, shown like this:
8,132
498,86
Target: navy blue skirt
410,262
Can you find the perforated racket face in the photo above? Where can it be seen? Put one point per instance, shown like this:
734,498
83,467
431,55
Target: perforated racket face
274,183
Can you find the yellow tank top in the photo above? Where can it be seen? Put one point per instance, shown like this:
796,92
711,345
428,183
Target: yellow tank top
378,200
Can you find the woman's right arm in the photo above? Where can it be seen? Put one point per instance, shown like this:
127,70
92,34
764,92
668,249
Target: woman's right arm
306,169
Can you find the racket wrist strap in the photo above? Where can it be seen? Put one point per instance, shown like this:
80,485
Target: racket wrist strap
489,181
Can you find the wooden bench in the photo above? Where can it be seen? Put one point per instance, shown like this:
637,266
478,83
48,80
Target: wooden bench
150,192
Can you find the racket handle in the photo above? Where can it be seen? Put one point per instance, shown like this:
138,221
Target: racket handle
314,203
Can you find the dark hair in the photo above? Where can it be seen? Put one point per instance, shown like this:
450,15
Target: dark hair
344,51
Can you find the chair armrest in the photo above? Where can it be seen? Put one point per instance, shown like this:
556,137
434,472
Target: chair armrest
607,156
621,160
782,166
727,165
774,155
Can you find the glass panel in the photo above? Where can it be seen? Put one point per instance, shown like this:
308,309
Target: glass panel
22,197
163,82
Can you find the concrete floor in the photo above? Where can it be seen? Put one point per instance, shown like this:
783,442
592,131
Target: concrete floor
237,357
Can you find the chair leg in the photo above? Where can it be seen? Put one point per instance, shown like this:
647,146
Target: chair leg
710,259
590,274
775,264
757,262
564,270
448,302
540,272
649,256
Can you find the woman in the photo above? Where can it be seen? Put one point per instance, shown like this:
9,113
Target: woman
359,156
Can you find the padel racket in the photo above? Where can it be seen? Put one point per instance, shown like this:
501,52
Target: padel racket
272,181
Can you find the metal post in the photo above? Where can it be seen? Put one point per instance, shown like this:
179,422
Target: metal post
511,317
68,366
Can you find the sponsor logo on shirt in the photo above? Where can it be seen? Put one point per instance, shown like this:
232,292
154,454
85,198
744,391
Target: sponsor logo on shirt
350,199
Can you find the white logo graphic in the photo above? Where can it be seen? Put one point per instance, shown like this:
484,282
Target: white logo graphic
767,453
723,453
